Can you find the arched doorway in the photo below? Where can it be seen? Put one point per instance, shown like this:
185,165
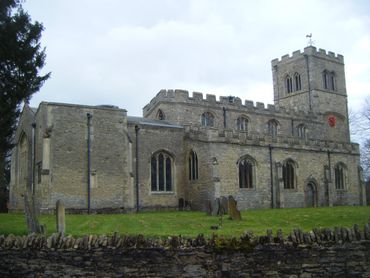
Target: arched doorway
311,194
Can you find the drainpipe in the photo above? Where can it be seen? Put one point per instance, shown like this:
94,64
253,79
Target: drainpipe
271,176
33,125
224,110
329,179
137,128
309,82
329,164
89,116
292,125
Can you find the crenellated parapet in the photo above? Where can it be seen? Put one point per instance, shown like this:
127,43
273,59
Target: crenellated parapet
310,51
252,138
211,101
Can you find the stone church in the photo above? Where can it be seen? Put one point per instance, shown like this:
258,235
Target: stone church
190,148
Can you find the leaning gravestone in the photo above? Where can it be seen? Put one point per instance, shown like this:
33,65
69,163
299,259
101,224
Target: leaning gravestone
60,215
216,207
234,213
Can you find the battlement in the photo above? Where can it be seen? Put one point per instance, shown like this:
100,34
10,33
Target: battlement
281,141
312,51
230,102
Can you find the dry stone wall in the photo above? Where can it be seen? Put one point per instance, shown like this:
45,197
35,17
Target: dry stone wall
339,252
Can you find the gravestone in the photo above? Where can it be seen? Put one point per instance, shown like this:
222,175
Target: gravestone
60,215
216,207
224,205
181,204
209,207
234,213
187,205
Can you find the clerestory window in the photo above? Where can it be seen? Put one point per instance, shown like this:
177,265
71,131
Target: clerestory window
160,115
301,131
242,123
207,119
272,127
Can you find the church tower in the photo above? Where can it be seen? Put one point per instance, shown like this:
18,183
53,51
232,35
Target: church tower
313,81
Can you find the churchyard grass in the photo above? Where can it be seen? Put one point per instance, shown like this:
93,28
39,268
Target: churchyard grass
190,224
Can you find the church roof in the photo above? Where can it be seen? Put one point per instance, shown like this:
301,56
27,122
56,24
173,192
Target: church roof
146,121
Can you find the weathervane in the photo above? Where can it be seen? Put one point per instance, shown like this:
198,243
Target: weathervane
310,41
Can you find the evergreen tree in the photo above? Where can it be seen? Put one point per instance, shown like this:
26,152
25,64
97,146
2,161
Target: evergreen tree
21,59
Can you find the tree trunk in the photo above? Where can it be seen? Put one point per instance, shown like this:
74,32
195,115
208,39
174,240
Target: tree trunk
30,211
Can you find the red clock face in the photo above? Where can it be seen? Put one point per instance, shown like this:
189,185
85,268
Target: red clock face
332,121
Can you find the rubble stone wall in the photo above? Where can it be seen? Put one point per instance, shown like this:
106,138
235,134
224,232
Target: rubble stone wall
340,252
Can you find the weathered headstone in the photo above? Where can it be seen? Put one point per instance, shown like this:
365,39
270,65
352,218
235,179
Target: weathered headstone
181,204
209,207
234,213
216,207
187,205
60,215
367,231
224,204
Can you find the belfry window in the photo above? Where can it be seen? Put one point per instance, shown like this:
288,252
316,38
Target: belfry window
297,82
193,165
340,176
161,172
207,119
329,80
242,123
246,173
288,84
289,175
301,131
272,127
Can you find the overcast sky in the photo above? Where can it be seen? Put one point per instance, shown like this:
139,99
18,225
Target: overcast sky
124,52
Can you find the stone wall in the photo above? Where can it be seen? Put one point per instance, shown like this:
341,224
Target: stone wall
61,160
151,140
341,252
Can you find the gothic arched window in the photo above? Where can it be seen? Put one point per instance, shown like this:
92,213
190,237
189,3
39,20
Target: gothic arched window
242,123
247,172
289,177
161,172
329,80
297,82
160,115
340,173
207,119
288,84
193,165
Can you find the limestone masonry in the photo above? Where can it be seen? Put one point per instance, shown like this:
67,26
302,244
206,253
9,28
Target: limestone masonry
190,148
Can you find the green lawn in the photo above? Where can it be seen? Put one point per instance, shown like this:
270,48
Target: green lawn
156,224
